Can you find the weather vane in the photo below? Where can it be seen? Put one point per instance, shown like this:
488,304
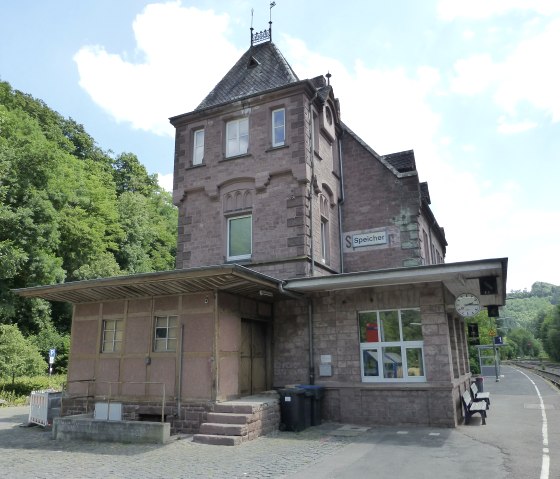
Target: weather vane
265,35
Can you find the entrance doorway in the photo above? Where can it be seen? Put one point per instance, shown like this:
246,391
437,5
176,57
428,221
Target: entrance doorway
252,368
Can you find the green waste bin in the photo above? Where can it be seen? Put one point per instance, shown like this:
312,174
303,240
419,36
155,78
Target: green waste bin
316,394
295,409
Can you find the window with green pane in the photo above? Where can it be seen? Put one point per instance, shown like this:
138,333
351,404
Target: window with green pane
239,241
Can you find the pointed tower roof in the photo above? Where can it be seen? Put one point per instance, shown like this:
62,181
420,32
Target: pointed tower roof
261,68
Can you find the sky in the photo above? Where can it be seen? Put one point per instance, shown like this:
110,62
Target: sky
472,87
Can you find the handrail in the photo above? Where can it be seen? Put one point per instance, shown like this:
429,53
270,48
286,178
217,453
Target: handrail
110,383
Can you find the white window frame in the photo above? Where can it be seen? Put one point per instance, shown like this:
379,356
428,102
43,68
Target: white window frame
242,256
380,345
234,137
165,333
198,147
325,243
276,126
112,336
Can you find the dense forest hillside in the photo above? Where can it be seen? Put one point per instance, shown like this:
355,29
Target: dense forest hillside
533,317
69,211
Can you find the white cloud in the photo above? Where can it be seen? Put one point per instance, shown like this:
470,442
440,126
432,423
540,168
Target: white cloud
166,181
473,75
532,74
511,128
529,75
167,81
480,9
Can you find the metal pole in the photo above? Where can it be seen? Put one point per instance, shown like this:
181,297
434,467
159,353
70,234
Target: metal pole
496,362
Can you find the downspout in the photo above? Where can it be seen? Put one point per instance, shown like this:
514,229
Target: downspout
180,380
310,328
340,203
312,146
309,300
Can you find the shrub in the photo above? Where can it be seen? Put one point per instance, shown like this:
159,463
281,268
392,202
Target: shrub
16,393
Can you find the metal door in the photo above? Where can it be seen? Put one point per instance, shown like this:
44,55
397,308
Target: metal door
252,368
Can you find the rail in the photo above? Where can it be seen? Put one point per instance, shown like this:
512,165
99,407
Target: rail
108,398
545,369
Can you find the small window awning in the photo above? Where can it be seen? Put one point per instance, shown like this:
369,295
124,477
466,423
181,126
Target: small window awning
231,278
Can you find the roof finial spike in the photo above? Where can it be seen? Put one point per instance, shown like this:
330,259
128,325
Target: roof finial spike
252,26
272,4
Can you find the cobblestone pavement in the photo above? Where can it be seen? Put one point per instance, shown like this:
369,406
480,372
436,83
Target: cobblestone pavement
510,446
30,452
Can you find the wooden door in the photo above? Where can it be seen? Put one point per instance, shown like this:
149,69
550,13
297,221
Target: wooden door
252,367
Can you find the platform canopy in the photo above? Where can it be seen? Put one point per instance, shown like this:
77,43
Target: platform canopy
231,278
458,278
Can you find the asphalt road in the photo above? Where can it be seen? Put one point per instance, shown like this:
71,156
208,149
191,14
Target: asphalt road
509,446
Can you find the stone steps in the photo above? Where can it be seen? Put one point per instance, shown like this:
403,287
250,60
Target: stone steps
216,440
233,422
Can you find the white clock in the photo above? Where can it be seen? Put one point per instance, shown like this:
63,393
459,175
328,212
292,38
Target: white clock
467,305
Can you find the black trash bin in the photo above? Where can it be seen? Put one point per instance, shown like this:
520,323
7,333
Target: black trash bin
316,393
295,409
479,381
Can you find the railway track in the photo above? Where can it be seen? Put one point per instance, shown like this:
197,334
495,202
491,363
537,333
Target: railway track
545,369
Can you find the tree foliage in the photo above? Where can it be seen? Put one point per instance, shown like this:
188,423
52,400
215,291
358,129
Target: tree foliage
17,356
70,211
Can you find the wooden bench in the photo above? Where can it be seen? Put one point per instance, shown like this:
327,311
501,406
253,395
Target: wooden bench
473,407
478,396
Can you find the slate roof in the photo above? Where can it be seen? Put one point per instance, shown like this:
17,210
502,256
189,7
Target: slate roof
402,161
261,68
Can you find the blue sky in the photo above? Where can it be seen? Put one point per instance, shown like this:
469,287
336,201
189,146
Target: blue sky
473,87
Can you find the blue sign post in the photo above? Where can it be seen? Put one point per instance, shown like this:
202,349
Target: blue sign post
52,355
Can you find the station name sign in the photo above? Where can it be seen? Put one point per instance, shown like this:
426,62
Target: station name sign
366,239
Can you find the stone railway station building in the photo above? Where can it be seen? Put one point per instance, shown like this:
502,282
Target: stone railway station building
303,257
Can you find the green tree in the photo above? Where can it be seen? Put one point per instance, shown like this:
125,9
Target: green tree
550,333
70,211
130,175
522,343
18,357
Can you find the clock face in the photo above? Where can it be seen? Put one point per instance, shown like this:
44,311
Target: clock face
467,304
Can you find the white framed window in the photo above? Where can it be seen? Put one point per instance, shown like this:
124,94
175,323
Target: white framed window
278,127
239,237
198,147
391,346
324,240
165,333
237,137
112,339
324,206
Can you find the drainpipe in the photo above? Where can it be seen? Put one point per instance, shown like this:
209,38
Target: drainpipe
310,328
340,203
312,146
180,381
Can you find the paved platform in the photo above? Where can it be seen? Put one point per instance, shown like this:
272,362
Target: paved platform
509,446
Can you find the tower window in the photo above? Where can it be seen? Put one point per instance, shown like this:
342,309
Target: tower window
237,137
198,147
279,127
